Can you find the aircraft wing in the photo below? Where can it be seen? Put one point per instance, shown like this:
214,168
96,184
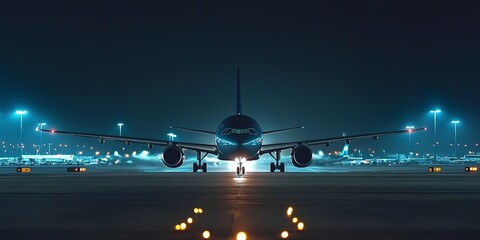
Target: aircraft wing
208,148
268,148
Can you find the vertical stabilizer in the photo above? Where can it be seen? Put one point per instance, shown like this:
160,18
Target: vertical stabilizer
239,107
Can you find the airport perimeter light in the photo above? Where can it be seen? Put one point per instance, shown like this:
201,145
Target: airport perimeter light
435,132
120,126
171,136
455,122
409,139
21,113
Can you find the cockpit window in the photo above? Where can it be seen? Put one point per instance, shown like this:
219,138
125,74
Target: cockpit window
250,131
227,131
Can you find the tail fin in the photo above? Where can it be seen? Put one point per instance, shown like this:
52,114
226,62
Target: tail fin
345,147
239,107
344,150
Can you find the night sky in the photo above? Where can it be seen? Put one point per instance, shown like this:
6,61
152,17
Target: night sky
331,66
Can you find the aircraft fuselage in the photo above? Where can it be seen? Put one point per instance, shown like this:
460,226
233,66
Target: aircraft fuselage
238,136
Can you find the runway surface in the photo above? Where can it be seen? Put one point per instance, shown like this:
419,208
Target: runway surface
385,203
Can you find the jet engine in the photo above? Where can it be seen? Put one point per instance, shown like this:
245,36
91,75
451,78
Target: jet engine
302,156
173,157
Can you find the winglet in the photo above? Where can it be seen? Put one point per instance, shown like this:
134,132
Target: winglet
239,108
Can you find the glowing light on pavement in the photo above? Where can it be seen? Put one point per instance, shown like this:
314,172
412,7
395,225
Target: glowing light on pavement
206,234
300,226
295,220
195,210
289,211
183,226
284,234
241,236
177,227
190,220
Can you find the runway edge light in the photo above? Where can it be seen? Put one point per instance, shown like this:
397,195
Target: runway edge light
471,169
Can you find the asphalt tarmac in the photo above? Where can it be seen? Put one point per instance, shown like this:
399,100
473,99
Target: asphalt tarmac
385,203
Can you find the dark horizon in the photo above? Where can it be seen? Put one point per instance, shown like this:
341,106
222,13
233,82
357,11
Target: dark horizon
331,66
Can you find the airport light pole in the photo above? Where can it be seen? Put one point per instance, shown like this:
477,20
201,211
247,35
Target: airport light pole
435,132
409,128
120,126
455,122
21,113
40,126
171,136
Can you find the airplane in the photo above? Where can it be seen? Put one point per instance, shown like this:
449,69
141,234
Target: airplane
238,138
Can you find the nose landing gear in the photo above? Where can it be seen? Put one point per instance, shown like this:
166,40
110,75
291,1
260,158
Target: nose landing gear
240,167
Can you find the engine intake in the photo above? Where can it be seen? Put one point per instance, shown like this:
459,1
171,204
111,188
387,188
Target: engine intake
173,157
302,156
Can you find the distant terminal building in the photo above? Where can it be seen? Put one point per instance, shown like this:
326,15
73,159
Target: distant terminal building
48,159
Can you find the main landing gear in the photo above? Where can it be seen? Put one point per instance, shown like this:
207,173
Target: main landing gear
200,165
277,165
240,167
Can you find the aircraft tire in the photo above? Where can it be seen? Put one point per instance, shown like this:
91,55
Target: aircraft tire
272,167
204,167
238,170
195,167
282,167
243,170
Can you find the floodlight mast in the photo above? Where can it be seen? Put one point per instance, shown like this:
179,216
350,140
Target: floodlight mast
455,122
120,126
435,132
410,128
21,113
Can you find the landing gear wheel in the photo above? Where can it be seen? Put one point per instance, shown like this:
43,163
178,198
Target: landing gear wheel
282,167
195,167
204,167
272,167
238,170
243,170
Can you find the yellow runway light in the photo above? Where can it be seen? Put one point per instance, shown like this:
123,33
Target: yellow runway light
241,236
295,220
435,169
177,227
284,234
200,210
289,211
300,226
195,210
471,169
183,226
206,234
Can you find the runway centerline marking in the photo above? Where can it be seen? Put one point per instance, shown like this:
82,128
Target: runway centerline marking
239,181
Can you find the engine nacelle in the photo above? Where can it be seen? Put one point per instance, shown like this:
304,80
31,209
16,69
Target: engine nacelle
302,156
173,157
